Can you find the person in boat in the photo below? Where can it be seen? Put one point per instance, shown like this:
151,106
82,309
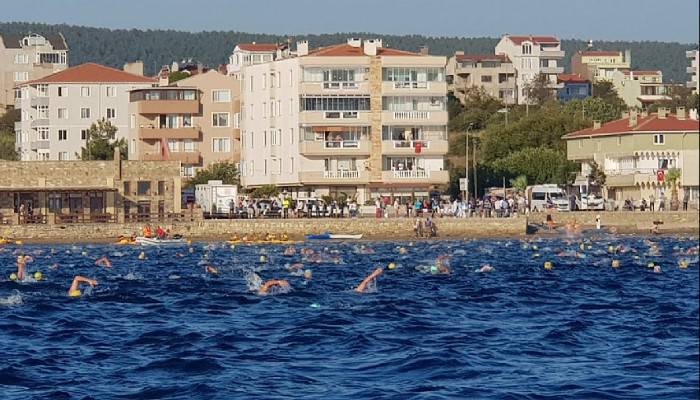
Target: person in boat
160,232
362,287
103,262
147,231
279,283
74,290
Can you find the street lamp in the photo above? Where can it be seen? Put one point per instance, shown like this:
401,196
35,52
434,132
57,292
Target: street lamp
466,163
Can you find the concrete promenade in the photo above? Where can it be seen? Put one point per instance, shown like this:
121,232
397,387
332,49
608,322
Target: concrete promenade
371,228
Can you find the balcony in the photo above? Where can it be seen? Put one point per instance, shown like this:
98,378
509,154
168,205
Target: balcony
690,70
413,147
39,101
345,87
557,54
146,133
186,157
416,176
39,122
418,117
329,148
335,177
552,70
39,145
18,126
691,84
329,117
168,106
391,87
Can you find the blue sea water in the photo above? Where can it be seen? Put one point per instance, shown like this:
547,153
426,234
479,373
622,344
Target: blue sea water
164,328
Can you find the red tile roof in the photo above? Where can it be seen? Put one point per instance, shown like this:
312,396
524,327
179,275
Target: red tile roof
650,123
482,57
600,53
343,50
573,78
534,39
92,73
643,72
258,47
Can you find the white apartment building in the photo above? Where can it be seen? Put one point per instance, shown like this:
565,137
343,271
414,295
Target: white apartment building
532,56
57,110
25,58
694,82
246,54
354,119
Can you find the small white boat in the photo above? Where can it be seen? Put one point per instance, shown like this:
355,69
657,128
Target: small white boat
144,241
352,237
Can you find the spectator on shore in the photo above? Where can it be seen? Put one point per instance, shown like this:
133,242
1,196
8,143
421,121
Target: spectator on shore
397,207
651,202
662,202
686,198
418,228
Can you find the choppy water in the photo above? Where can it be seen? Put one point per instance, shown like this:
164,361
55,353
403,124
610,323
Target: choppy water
163,328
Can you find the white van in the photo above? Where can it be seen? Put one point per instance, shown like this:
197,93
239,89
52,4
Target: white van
539,195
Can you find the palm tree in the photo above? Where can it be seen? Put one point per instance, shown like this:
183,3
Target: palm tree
672,177
519,183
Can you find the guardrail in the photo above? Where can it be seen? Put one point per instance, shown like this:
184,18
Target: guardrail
78,218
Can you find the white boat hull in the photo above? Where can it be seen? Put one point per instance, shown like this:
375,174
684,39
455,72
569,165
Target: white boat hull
353,237
144,241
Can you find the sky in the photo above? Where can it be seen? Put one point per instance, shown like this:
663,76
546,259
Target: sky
662,20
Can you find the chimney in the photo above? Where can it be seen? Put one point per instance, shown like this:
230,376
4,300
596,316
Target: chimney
371,46
693,114
680,113
596,124
355,42
163,76
302,48
628,56
135,68
663,111
424,50
633,118
459,52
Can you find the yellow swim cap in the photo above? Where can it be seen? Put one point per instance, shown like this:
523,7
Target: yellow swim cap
263,259
650,265
548,265
683,264
75,293
392,266
616,263
13,276
142,256
38,276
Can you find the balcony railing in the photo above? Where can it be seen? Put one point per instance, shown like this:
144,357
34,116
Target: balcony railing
341,174
411,174
341,114
342,144
411,115
630,171
408,144
335,85
411,85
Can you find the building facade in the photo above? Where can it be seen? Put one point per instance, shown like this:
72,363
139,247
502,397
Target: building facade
58,110
533,56
575,87
694,82
355,119
246,54
26,58
494,73
640,88
636,153
600,65
194,121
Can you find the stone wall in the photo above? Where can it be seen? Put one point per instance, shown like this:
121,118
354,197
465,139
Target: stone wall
628,220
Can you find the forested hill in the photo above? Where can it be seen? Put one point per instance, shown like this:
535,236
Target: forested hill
160,47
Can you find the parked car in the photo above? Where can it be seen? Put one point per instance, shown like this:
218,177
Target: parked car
542,197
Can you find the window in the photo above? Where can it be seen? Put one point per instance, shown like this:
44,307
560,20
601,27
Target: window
21,58
659,138
291,165
186,120
62,113
63,155
161,188
264,81
62,91
132,121
527,49
221,96
327,103
43,155
42,90
251,83
62,134
132,146
111,113
173,145
221,145
275,136
85,113
291,135
264,138
85,91
84,134
486,78
111,92
291,76
251,138
143,188
189,146
251,112
265,167
291,106
237,120
55,203
187,171
220,120
251,168
42,133
21,76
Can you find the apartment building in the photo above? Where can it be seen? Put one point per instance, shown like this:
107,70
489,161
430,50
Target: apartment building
640,88
600,65
58,109
575,87
532,56
26,58
494,73
694,82
636,151
354,119
194,121
246,54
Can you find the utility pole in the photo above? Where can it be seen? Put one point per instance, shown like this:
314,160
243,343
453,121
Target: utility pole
466,163
474,169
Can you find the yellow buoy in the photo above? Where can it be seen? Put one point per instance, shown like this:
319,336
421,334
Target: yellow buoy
142,256
616,263
548,265
683,264
650,265
18,242
13,276
38,276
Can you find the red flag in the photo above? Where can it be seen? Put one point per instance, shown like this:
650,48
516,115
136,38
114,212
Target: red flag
660,175
419,147
164,149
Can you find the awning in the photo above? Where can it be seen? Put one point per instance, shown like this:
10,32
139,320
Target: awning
38,189
330,128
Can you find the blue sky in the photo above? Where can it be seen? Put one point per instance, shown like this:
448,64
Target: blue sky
664,20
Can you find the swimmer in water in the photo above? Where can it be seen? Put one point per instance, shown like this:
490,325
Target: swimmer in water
486,268
442,265
21,266
104,262
290,251
280,283
74,290
362,287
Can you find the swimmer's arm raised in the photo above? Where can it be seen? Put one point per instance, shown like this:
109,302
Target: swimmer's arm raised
363,286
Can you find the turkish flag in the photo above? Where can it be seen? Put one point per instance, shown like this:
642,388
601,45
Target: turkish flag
660,175
419,147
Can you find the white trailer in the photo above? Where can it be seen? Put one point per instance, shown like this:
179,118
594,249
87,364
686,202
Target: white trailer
215,197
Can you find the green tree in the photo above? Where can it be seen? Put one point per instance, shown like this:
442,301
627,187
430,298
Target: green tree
519,183
264,192
538,90
597,175
539,165
7,135
101,142
605,91
593,108
673,176
227,172
176,76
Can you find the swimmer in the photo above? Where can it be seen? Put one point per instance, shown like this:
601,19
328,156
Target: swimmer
657,269
308,274
289,251
104,262
21,266
485,268
442,264
295,267
265,288
212,270
74,290
362,287
403,250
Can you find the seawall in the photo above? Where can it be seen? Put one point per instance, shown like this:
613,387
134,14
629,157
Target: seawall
629,221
